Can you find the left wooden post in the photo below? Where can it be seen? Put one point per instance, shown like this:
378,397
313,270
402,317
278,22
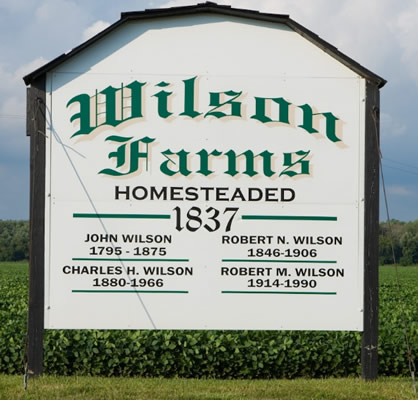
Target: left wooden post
35,128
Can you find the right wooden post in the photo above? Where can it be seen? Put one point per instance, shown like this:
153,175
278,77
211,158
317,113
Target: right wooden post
369,345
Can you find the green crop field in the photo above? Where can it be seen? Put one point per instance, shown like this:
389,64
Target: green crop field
211,354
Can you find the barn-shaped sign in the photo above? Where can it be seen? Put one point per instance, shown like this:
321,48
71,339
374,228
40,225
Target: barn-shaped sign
203,167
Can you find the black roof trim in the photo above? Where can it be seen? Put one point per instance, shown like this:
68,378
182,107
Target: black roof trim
210,7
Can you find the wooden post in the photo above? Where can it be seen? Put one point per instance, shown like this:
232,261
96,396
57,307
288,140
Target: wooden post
369,356
35,128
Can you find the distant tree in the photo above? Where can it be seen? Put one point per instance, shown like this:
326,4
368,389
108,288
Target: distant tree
404,237
20,241
409,243
385,250
14,240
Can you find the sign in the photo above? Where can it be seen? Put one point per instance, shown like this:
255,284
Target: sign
204,187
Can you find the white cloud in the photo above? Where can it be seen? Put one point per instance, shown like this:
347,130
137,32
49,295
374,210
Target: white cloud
400,190
389,126
59,23
405,28
10,80
12,87
29,67
94,29
50,10
16,5
375,33
6,80
177,3
13,104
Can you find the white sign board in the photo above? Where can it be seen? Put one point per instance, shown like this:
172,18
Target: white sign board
195,182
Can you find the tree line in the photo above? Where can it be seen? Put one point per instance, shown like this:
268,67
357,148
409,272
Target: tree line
398,238
14,241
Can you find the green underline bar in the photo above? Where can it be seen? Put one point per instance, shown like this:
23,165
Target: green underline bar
289,217
133,291
266,292
116,216
132,259
279,261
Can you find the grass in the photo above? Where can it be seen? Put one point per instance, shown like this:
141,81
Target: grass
74,388
16,269
407,275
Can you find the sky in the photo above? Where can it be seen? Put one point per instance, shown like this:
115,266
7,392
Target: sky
379,34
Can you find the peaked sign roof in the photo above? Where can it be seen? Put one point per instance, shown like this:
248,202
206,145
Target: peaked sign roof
213,8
